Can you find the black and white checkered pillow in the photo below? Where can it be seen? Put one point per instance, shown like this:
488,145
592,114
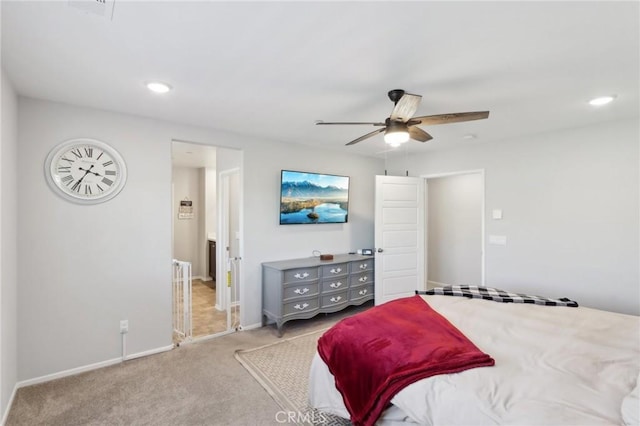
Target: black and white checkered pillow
497,295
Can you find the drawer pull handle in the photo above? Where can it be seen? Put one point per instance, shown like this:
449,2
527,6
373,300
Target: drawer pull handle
363,266
336,299
301,276
362,292
335,285
336,270
301,290
301,308
363,279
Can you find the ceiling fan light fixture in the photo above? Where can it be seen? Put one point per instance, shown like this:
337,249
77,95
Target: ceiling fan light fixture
396,134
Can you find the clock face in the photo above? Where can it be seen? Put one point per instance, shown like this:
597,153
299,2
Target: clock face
85,171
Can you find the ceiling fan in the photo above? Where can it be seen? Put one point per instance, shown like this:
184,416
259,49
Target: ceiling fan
400,126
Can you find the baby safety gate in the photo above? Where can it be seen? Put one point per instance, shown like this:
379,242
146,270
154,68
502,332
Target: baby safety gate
182,327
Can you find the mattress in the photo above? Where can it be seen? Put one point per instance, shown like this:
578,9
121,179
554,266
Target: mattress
554,365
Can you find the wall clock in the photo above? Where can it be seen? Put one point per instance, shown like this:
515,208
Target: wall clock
85,171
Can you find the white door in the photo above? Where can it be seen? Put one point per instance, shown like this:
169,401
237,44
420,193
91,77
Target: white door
399,237
228,246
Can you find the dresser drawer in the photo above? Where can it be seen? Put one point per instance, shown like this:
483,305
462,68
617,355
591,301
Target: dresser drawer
335,270
300,274
298,290
333,299
334,284
361,292
301,305
360,279
361,265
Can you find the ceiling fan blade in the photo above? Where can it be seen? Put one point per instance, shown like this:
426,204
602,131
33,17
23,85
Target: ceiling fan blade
419,134
405,108
456,117
368,135
349,122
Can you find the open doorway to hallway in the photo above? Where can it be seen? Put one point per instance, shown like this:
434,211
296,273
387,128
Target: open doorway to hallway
204,216
455,229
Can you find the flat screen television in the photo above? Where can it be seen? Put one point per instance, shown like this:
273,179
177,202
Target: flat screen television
309,198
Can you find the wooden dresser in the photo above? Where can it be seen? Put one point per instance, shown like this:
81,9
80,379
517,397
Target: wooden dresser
302,288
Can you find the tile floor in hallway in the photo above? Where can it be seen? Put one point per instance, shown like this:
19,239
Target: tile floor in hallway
206,319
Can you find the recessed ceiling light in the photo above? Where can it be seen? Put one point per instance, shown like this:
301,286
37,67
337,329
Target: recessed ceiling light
469,136
158,87
602,100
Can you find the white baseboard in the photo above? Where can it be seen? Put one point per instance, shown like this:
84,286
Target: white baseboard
5,415
250,326
149,352
434,284
70,372
77,370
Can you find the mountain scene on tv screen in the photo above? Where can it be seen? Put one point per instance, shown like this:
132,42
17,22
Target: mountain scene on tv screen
309,202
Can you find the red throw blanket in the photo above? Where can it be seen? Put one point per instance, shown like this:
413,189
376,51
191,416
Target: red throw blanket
375,354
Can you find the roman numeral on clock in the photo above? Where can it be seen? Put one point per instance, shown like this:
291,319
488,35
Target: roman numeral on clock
88,152
64,169
77,153
107,181
108,163
87,190
67,179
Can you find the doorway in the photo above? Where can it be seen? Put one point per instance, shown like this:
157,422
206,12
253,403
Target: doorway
455,229
204,215
402,232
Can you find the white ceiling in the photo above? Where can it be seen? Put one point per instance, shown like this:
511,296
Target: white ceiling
271,69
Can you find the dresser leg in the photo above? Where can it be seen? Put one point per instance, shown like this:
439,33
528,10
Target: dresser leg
279,324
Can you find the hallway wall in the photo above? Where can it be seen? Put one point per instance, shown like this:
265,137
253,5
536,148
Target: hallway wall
188,233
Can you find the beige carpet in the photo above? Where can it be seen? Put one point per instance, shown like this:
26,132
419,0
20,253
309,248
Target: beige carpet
201,384
282,368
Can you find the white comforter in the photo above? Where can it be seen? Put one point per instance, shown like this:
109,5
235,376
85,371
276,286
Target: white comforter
554,365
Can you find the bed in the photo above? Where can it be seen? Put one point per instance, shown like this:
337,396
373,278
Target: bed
553,365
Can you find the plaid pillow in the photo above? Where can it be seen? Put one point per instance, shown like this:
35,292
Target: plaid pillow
497,295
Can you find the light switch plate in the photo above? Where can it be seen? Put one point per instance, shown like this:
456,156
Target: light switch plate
496,214
498,240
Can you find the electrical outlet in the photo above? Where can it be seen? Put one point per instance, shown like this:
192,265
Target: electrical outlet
124,326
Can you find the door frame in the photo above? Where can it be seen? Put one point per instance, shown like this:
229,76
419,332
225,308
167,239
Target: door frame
219,207
482,216
223,301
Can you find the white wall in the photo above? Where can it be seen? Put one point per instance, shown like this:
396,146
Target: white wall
211,202
571,214
82,269
8,246
211,210
454,230
187,233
